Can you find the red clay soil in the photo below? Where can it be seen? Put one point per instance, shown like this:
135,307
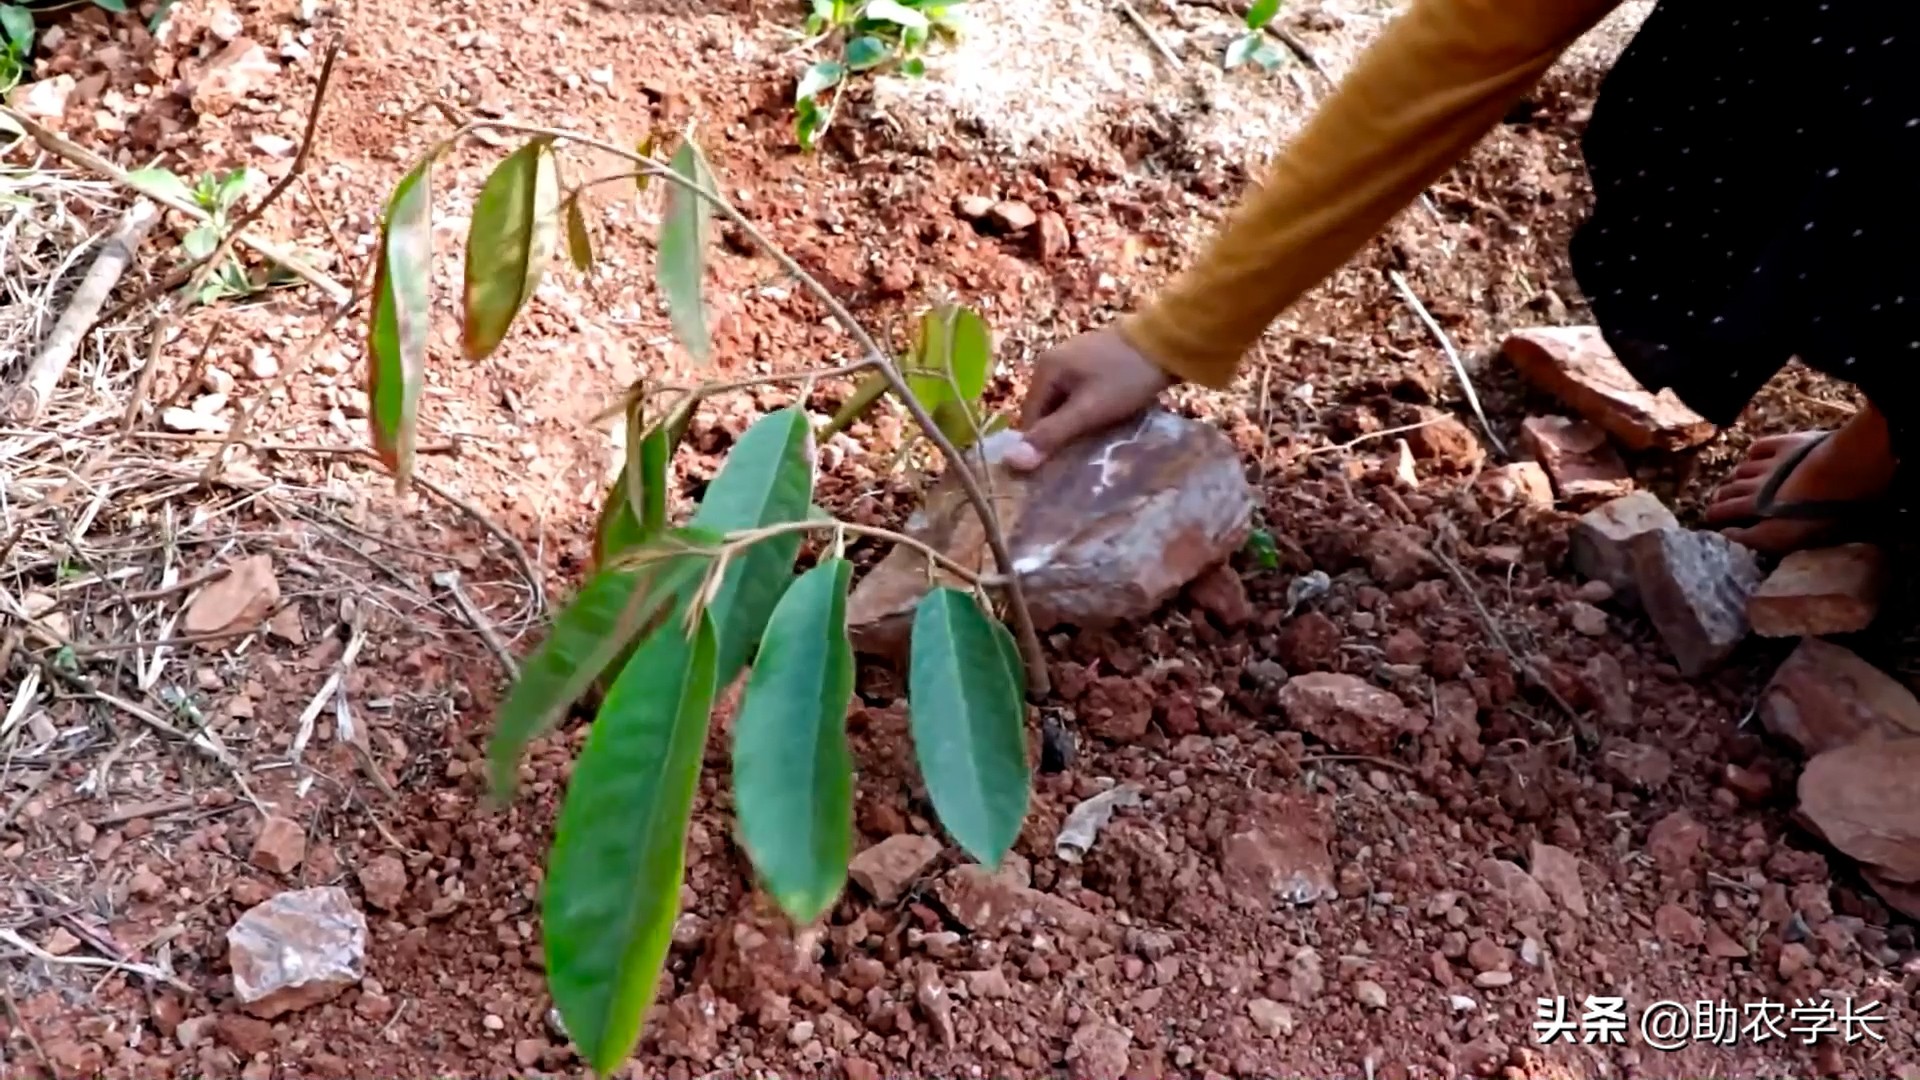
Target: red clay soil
1653,822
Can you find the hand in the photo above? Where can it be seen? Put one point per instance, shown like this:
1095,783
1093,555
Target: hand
1088,383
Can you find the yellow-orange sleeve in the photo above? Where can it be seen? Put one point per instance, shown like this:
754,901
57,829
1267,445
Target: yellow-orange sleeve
1438,78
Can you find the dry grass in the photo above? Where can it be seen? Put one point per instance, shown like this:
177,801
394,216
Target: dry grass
110,533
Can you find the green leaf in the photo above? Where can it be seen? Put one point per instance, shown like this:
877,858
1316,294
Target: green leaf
792,772
683,251
610,613
809,121
1262,13
819,78
645,149
894,12
1241,50
914,69
767,479
231,186
612,890
17,24
162,184
634,514
507,245
201,242
579,241
864,395
402,314
865,53
1261,546
968,719
953,341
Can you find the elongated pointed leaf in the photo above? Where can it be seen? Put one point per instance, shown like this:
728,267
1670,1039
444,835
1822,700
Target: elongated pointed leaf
792,772
610,613
968,722
864,395
864,53
894,12
507,245
635,513
579,240
161,182
1261,13
683,252
612,890
767,479
401,318
819,78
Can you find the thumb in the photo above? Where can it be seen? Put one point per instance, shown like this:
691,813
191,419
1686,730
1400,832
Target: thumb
1076,416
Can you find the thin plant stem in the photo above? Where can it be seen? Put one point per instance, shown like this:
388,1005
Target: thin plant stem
875,358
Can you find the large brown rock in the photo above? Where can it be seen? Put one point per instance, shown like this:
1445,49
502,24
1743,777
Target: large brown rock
1694,587
1583,464
1832,590
1601,540
1864,799
1347,713
1106,530
1824,697
297,950
1574,364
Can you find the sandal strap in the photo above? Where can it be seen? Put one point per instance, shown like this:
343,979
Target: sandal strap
1764,507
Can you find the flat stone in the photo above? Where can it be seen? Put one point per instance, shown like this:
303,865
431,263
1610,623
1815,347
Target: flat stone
1823,697
1445,443
1106,530
1864,799
1674,840
281,845
1279,855
1574,364
1600,541
1832,590
1347,713
1011,216
993,904
1583,464
384,882
886,869
1558,872
230,76
1521,891
1519,483
1694,587
973,207
297,950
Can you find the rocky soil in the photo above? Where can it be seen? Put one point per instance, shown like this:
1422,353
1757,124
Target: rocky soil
1478,736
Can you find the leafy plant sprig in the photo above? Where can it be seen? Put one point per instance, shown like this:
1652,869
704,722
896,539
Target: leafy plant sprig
218,196
1253,45
865,36
674,612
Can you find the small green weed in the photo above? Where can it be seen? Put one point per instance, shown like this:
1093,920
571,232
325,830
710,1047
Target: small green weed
863,36
1253,45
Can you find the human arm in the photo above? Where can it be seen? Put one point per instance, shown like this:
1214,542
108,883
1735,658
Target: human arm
1438,79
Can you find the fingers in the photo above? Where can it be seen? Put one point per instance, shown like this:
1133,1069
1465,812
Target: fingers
1047,392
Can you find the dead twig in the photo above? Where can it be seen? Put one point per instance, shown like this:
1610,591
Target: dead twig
1353,442
528,569
1453,356
50,363
87,159
1153,37
450,581
20,1024
1527,666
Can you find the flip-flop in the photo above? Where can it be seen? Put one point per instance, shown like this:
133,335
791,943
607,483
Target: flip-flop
1765,508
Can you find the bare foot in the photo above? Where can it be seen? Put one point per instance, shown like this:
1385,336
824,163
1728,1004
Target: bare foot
1853,463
